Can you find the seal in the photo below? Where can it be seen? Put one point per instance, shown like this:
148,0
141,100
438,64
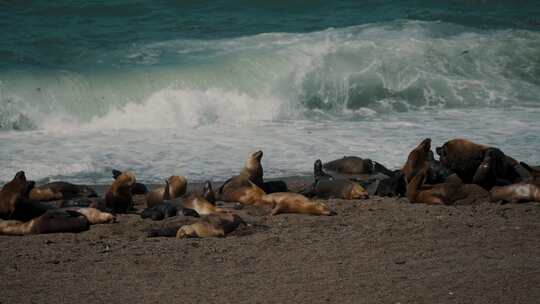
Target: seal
318,172
52,221
288,202
339,188
93,215
253,169
479,164
200,205
392,186
213,225
175,186
440,194
136,189
60,190
12,193
417,160
208,192
118,197
159,212
515,193
242,190
356,165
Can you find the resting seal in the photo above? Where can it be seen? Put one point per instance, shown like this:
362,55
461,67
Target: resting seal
200,204
339,188
118,196
159,212
11,194
515,193
175,187
52,221
356,165
213,225
60,190
288,202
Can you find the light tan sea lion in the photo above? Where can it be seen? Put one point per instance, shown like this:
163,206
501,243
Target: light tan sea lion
288,202
60,190
118,196
245,192
11,193
213,225
515,193
177,186
252,171
200,205
93,215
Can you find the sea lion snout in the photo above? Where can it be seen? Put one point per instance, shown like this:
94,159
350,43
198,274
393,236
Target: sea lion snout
258,155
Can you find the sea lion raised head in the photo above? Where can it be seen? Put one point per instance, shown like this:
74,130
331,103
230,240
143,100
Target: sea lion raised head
208,192
318,172
253,168
417,160
175,187
11,193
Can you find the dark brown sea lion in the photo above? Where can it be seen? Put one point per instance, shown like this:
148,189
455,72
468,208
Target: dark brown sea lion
339,188
318,172
356,165
288,202
213,225
479,164
418,160
52,221
60,190
11,193
515,193
175,186
160,211
119,197
136,189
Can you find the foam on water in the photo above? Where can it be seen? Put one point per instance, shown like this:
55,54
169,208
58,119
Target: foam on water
198,107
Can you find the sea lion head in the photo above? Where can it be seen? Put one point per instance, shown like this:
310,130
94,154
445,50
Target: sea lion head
186,231
20,177
254,161
317,166
323,209
116,173
208,192
358,192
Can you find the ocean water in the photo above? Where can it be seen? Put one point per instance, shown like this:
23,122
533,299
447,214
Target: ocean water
192,87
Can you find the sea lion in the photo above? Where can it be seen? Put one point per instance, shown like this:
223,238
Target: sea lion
515,193
417,161
52,221
439,194
318,172
175,187
208,193
213,225
339,188
60,190
11,193
393,186
244,191
253,168
275,186
93,215
118,196
288,202
199,202
136,189
159,211
356,165
479,164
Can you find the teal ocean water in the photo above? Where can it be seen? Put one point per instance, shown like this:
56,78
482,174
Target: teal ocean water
191,87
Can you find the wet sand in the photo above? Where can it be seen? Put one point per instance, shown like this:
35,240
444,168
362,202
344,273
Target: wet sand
380,250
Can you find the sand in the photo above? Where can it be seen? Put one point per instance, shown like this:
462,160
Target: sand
380,250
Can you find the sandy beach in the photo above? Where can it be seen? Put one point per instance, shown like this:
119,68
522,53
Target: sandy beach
380,250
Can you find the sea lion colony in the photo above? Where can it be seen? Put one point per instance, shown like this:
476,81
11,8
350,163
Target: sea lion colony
465,172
